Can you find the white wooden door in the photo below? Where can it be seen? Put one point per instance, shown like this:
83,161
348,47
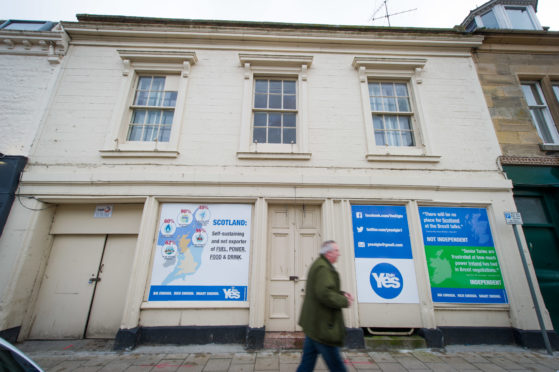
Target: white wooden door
294,241
65,295
110,293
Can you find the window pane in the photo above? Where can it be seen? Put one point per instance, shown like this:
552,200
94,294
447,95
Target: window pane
376,104
489,20
539,117
149,133
275,101
144,82
532,209
275,86
274,135
135,133
391,122
261,101
164,133
519,18
141,98
275,120
401,90
260,119
374,89
167,117
393,138
259,135
289,87
139,116
387,89
261,86
404,122
556,91
403,105
155,98
170,99
289,135
154,116
407,139
377,122
379,138
289,102
158,83
289,120
390,104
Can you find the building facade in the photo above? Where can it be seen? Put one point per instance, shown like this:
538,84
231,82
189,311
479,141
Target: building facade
188,171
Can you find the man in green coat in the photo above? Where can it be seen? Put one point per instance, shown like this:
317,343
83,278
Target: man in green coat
321,315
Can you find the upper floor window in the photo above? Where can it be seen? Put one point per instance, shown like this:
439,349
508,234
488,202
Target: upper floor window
392,113
150,107
391,107
274,119
540,112
153,108
275,111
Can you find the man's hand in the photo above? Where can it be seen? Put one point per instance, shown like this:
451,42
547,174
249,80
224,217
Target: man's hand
349,298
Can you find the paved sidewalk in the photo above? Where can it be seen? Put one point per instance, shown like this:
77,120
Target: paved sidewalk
97,355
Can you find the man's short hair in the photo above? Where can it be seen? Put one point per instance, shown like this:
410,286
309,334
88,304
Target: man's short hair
327,246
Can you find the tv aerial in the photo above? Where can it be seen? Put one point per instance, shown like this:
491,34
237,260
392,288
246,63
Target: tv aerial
387,14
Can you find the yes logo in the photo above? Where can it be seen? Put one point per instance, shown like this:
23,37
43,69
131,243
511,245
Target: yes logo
232,293
386,280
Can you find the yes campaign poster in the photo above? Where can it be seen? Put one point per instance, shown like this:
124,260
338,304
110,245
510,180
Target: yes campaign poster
384,266
461,256
202,253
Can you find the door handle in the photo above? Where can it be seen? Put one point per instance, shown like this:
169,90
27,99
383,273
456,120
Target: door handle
294,278
92,280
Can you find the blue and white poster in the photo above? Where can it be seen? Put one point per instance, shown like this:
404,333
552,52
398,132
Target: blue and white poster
384,266
202,253
461,256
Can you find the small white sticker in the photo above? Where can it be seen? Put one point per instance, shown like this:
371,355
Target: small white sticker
513,218
103,211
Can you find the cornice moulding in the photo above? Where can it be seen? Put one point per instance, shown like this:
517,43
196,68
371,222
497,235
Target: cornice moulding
80,32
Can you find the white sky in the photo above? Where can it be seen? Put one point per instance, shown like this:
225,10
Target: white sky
429,13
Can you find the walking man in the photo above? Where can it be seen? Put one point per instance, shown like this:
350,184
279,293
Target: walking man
321,315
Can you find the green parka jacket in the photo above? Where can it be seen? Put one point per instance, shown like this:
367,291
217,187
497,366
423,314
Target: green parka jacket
321,315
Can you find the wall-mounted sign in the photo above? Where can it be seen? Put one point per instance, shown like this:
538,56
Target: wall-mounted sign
461,257
103,211
384,264
202,253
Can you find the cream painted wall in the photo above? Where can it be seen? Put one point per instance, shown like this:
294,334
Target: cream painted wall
67,167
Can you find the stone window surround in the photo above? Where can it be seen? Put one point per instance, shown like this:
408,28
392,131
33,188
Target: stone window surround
134,63
272,66
406,69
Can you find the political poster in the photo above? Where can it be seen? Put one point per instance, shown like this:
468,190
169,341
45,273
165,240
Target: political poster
384,266
202,253
461,258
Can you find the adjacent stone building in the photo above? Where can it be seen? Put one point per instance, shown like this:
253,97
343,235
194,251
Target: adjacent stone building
518,67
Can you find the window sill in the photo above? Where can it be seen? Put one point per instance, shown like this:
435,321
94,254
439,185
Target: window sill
403,158
139,153
274,155
545,147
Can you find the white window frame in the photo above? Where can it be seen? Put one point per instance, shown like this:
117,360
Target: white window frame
394,69
270,66
546,114
136,63
500,12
